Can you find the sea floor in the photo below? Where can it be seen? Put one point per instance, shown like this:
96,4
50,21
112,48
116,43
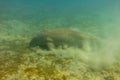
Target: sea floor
18,62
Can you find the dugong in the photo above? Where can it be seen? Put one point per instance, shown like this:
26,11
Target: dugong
62,39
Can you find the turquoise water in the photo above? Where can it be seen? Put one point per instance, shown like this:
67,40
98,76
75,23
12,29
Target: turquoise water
89,16
22,20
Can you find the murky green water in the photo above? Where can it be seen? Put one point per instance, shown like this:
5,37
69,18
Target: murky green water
95,17
21,20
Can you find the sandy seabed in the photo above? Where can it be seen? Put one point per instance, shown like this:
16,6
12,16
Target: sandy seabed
18,62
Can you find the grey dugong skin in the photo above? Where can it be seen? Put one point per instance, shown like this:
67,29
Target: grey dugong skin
61,38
